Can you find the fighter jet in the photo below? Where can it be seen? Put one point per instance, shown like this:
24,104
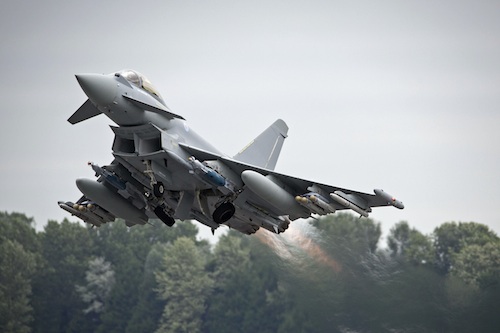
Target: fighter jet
163,170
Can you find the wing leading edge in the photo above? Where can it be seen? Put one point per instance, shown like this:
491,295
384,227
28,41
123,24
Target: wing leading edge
273,192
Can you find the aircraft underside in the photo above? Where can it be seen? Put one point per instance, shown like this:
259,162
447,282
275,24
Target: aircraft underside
162,169
157,183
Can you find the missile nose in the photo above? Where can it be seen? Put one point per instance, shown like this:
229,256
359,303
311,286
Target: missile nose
101,89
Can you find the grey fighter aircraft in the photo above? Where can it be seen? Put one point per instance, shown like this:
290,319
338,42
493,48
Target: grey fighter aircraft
162,169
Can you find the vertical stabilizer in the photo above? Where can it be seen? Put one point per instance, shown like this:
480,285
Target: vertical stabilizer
265,149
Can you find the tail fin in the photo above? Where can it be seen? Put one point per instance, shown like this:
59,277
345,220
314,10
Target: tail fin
265,149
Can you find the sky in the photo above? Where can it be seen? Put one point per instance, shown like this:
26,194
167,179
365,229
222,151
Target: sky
398,95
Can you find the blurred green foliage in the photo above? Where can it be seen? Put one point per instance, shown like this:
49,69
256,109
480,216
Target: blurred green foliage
326,275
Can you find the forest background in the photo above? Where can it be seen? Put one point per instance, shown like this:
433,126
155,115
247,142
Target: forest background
326,275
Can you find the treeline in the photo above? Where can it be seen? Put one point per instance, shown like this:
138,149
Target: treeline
325,275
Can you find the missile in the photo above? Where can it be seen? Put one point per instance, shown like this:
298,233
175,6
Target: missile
95,209
348,204
111,201
308,203
274,194
318,200
276,225
206,174
84,215
389,198
108,176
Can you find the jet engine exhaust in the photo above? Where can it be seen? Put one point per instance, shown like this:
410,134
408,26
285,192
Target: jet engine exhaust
299,245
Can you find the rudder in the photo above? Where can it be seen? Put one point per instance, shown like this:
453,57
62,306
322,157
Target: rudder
265,149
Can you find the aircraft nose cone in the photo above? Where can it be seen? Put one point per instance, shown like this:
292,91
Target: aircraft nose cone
101,89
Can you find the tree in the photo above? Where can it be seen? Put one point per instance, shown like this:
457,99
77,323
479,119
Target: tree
360,235
399,238
127,249
331,277
66,249
148,308
410,244
327,284
242,288
20,228
18,262
99,279
451,237
17,268
478,265
185,286
148,311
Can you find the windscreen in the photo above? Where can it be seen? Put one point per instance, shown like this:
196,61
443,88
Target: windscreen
141,81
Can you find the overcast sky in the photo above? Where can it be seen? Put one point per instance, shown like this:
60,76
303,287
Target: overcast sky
399,95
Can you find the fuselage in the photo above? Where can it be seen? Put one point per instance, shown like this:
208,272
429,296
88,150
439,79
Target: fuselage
129,99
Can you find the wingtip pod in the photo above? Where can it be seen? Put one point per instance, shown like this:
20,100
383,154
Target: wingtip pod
389,198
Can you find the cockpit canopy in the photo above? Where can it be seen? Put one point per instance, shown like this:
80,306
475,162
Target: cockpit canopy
141,81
